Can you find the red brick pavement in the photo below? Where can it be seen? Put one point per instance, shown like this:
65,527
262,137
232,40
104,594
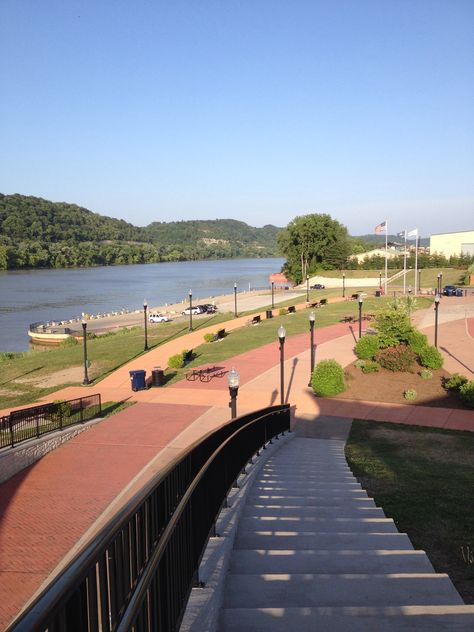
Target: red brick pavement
46,508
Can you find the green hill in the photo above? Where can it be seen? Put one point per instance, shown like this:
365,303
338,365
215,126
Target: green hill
39,233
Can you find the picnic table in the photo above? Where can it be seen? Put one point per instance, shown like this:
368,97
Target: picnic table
206,374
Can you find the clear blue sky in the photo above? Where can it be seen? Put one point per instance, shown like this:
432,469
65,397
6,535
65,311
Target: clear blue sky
258,110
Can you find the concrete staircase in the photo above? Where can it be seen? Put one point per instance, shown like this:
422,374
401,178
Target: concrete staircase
313,553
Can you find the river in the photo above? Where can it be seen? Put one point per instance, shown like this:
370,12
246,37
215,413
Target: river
28,296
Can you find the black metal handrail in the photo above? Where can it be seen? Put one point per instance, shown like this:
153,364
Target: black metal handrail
138,571
35,421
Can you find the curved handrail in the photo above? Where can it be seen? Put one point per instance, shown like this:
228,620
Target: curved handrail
92,576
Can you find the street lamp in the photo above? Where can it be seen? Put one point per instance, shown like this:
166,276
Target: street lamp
145,308
361,300
281,336
436,307
419,281
312,318
307,288
233,380
235,300
380,280
440,282
343,285
85,381
190,310
273,294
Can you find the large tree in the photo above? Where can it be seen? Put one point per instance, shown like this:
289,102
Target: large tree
313,242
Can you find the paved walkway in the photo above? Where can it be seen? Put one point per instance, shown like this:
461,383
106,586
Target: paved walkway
58,502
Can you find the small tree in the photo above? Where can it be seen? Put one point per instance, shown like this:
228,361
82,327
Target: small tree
328,378
393,324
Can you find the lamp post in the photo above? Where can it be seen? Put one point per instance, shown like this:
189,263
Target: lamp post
380,280
436,307
85,381
440,282
273,294
190,310
233,380
307,288
312,318
145,308
419,281
343,285
361,300
235,300
281,336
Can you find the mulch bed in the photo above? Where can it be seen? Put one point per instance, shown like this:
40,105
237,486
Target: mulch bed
387,386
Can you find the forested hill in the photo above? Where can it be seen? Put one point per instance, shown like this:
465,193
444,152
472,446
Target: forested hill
38,233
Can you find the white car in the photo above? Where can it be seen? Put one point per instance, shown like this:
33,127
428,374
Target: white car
195,310
158,318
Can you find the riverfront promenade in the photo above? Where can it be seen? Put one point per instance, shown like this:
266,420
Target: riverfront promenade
50,509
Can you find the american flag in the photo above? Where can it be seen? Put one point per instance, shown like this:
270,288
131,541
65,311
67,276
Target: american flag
381,228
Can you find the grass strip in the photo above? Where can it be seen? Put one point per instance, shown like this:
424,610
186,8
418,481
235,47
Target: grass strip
424,480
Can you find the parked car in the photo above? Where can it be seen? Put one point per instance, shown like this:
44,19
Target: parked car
449,290
158,318
209,308
318,286
195,310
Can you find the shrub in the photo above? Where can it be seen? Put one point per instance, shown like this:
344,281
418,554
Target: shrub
431,358
416,341
466,393
69,342
425,374
410,394
455,382
393,324
176,361
209,337
399,358
371,367
328,378
282,311
366,347
360,363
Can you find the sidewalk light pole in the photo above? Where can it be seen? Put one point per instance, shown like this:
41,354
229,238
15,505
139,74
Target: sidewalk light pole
281,336
273,294
380,280
419,281
436,307
233,380
145,308
235,300
312,318
440,282
85,381
343,285
361,300
190,310
307,288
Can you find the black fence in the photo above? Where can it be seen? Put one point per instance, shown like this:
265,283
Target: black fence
138,571
29,423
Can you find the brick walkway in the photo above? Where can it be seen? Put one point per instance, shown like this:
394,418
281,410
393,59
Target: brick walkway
49,507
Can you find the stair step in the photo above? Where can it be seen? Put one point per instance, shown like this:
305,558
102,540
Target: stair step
313,500
442,618
261,561
323,541
314,524
351,511
309,590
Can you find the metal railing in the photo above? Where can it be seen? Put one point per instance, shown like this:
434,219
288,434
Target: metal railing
33,422
137,573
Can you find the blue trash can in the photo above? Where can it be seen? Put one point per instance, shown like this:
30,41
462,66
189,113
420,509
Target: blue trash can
137,379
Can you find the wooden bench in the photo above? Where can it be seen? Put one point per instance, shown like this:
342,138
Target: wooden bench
354,297
254,321
291,309
323,301
314,304
347,319
205,375
219,335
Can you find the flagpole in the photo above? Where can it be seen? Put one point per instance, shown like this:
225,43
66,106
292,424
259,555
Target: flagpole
386,255
405,266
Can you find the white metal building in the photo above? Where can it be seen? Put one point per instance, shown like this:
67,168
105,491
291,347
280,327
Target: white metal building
449,244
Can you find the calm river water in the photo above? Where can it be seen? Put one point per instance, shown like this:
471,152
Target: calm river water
36,295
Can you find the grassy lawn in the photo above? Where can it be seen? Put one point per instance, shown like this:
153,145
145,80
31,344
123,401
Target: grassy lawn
424,480
19,376
429,276
248,338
